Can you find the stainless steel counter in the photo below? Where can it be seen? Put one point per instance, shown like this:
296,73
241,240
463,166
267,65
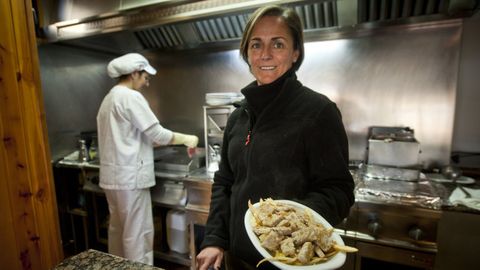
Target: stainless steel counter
422,194
68,163
386,213
201,174
174,189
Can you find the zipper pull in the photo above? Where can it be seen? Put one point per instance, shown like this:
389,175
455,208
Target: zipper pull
247,141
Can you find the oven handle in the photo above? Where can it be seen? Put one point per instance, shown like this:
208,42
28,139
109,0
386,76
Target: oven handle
196,208
426,244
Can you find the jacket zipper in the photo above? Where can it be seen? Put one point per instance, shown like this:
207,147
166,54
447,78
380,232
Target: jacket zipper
250,125
247,140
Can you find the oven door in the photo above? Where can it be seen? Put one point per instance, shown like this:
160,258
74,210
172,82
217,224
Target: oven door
375,256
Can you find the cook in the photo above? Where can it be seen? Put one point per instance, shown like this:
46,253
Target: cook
285,141
127,132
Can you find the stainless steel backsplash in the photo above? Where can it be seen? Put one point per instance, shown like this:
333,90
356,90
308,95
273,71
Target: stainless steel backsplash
74,82
403,76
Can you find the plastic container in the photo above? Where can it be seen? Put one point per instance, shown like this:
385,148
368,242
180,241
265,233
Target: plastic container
177,232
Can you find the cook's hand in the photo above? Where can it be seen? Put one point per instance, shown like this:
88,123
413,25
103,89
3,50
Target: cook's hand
210,256
190,141
191,151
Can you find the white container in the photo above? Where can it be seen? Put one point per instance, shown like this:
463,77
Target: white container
177,232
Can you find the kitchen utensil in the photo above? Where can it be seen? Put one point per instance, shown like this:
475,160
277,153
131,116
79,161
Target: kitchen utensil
451,172
440,178
467,194
454,173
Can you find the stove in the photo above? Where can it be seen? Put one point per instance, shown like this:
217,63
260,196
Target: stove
393,224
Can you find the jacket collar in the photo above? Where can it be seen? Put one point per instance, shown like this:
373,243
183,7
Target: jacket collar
290,89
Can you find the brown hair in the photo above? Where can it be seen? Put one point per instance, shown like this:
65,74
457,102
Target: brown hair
125,76
291,19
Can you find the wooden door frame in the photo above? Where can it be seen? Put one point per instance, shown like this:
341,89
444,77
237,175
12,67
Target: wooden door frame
29,228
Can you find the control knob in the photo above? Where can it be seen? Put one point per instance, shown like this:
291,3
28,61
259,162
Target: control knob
416,233
374,227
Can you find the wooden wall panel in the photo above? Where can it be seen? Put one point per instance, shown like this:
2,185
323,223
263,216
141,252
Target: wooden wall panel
31,229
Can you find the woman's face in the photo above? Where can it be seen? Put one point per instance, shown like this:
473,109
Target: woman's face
140,80
270,49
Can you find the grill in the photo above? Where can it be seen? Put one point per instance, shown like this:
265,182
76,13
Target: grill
389,236
393,224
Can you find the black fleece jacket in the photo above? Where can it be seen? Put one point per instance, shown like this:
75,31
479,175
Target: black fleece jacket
287,142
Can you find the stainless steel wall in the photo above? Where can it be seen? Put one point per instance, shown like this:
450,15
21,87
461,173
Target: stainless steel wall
400,76
467,125
466,134
405,76
74,82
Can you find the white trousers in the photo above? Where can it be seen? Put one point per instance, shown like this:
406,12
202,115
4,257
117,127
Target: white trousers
131,230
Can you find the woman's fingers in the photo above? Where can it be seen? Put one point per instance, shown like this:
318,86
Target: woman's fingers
218,261
210,257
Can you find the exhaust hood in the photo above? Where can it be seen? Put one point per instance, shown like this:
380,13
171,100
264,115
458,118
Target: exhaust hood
120,26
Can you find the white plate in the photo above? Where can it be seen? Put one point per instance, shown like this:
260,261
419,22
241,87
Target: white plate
218,102
222,101
438,177
223,94
333,263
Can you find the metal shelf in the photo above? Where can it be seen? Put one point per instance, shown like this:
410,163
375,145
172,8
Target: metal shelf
215,135
169,206
215,119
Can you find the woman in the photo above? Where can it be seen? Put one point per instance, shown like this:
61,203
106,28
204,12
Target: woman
127,131
285,141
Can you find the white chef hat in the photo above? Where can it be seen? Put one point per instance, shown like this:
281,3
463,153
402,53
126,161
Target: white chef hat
129,63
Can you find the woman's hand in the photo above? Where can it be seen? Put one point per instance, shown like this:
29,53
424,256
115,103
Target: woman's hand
210,257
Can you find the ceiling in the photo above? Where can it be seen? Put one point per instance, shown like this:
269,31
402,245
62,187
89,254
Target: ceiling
120,26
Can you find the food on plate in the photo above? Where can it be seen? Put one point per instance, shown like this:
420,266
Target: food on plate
291,235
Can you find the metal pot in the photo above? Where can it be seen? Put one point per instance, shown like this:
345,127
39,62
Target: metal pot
451,172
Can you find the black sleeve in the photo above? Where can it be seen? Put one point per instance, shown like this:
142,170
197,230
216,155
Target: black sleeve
331,184
217,227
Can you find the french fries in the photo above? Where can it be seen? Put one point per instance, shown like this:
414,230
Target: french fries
346,249
291,235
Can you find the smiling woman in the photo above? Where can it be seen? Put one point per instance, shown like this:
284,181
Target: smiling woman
284,141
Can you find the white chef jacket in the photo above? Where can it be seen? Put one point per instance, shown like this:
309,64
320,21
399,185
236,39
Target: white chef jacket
126,153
